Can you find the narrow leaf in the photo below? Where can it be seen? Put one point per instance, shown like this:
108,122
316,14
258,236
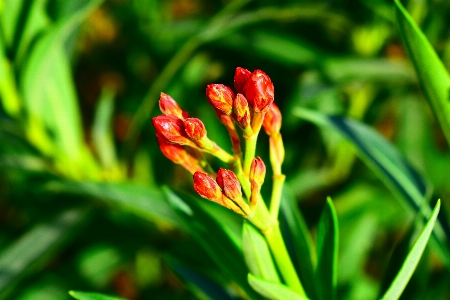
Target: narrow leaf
296,232
28,253
271,290
327,251
257,254
411,261
92,296
150,204
433,76
388,163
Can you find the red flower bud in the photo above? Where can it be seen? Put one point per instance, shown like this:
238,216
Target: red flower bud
276,149
168,106
272,120
171,129
230,185
179,155
242,111
240,78
257,171
207,187
174,152
221,97
194,128
259,91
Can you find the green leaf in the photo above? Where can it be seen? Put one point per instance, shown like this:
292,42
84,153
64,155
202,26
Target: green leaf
386,162
28,253
271,290
102,129
411,261
294,229
257,254
433,77
150,204
327,252
92,296
53,101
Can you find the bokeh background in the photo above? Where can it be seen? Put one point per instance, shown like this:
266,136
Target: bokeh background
81,205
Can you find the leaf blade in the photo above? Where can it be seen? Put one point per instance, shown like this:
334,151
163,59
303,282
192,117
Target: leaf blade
412,259
272,290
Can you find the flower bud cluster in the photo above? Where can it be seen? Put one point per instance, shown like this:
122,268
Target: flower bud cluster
180,138
225,190
255,94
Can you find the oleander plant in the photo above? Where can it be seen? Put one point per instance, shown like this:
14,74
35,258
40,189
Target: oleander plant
300,150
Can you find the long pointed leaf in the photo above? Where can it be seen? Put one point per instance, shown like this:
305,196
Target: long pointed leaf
411,261
327,251
390,166
257,254
433,76
271,290
92,296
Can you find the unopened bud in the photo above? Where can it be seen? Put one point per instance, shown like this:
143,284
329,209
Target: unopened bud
171,129
240,79
259,91
221,97
207,187
276,150
230,185
242,111
272,120
257,171
179,155
168,106
194,128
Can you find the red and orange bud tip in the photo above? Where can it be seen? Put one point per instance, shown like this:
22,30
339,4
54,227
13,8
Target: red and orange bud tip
259,91
240,78
174,152
272,120
194,128
207,187
229,183
221,97
242,111
257,171
276,150
171,129
168,106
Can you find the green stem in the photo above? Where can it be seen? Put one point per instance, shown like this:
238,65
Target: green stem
284,263
277,190
249,154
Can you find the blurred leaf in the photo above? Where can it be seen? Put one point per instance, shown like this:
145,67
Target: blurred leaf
24,21
271,290
433,76
385,160
203,283
150,204
92,296
28,254
53,100
257,254
209,231
379,70
8,88
411,261
102,129
296,231
327,252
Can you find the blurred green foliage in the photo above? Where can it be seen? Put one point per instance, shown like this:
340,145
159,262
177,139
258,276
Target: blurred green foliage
82,205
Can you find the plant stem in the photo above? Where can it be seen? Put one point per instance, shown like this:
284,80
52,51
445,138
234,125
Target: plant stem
284,263
277,189
249,154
